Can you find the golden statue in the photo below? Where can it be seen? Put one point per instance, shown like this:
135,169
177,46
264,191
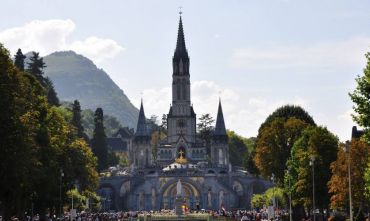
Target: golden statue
181,159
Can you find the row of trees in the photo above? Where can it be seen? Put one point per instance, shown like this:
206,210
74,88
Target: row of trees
43,154
293,150
288,148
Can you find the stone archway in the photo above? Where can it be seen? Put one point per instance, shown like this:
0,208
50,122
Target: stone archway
107,194
192,195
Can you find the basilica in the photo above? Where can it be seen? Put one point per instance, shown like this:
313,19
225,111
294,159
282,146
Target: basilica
209,181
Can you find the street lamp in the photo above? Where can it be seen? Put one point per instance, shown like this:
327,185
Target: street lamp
312,163
346,149
76,186
290,197
273,196
273,191
60,192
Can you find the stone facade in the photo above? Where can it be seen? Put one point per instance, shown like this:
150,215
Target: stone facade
208,179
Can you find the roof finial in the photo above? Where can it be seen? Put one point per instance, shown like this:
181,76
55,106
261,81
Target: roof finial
180,11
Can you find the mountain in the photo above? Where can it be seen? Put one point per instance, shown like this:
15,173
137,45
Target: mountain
76,77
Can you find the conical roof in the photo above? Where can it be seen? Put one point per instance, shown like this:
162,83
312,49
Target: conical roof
220,129
180,51
141,129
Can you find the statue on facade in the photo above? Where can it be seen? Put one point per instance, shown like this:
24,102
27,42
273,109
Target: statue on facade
179,191
209,199
179,199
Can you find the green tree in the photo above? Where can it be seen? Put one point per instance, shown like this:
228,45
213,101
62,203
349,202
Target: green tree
163,125
322,145
250,165
36,66
367,181
278,195
19,60
273,145
62,151
361,99
258,201
20,110
111,124
51,94
152,123
99,143
76,119
238,149
205,129
288,111
359,153
156,137
271,195
36,144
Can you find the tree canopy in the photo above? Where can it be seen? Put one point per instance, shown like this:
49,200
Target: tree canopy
99,142
238,148
35,68
19,60
359,153
361,99
205,129
273,146
288,111
321,145
36,144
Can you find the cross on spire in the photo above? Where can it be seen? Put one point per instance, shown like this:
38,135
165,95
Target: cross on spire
180,10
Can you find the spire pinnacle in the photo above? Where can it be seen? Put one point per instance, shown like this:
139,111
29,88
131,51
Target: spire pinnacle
141,129
220,129
180,51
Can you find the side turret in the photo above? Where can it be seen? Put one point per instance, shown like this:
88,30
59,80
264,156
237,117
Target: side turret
219,143
141,154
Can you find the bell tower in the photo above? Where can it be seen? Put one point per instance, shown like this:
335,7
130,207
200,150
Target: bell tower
181,118
180,66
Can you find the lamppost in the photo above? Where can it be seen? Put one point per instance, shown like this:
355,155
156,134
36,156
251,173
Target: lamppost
273,191
290,197
312,163
346,149
60,192
103,199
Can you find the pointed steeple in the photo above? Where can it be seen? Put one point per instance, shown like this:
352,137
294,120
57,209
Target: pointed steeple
180,51
141,129
220,129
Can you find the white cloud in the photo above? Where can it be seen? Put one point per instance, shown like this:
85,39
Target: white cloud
96,48
47,36
242,114
324,55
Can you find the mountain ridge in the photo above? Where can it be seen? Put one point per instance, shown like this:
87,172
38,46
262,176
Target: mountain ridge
77,77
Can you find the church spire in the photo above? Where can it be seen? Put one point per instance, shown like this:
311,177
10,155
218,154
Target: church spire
220,129
141,129
180,51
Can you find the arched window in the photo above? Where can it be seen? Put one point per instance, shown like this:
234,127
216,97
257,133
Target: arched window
183,89
178,89
181,68
220,156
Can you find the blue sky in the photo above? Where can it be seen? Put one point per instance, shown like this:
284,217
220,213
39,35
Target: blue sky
256,55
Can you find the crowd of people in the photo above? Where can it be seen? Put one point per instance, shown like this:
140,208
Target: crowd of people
222,214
